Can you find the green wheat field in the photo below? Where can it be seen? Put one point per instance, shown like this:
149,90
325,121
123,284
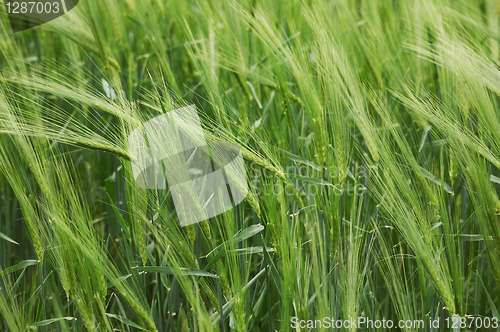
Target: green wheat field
370,133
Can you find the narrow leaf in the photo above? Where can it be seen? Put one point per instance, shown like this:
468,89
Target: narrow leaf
19,266
240,236
172,271
247,233
298,159
125,321
252,89
313,181
243,235
474,237
494,179
434,179
110,93
250,250
50,321
494,309
424,137
119,280
215,317
6,238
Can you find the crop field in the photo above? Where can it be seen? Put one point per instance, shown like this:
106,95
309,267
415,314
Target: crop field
250,165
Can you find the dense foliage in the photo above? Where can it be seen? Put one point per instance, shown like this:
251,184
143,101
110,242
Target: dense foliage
370,131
